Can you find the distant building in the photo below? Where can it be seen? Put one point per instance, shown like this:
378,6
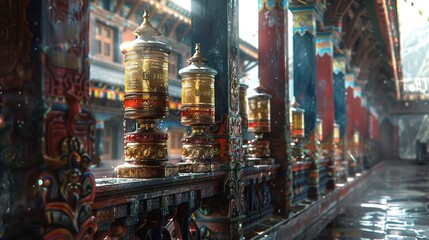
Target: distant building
111,23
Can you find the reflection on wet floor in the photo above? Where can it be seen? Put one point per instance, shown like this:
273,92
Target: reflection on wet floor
395,206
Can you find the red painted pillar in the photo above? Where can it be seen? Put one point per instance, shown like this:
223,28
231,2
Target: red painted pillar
273,66
325,99
357,109
324,93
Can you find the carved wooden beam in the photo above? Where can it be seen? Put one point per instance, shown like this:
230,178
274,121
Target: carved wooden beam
184,33
361,48
332,11
172,29
163,21
347,4
152,12
118,6
133,9
352,28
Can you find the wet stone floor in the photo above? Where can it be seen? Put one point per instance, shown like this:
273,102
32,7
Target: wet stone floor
395,206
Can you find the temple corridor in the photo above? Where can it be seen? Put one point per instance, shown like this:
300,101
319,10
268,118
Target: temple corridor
395,205
214,119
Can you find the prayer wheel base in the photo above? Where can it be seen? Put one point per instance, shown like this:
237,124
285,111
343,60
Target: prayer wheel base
198,166
145,171
251,162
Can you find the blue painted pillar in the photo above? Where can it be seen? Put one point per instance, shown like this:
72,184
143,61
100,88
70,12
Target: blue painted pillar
215,26
304,63
339,69
304,69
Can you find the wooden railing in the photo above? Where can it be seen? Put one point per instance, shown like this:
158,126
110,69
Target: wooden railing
300,171
162,208
323,174
257,192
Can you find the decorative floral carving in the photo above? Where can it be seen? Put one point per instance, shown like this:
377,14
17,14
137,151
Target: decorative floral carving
68,193
138,152
233,64
196,153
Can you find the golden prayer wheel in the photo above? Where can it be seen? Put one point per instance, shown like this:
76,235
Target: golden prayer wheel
336,133
198,111
146,99
243,104
319,129
259,112
296,120
146,74
356,138
198,99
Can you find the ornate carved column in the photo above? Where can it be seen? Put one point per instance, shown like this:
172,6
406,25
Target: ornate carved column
325,98
46,126
215,26
273,72
304,68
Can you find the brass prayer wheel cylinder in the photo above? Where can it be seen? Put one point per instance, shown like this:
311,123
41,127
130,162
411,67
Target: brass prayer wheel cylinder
146,74
259,148
297,120
242,91
319,129
259,111
336,133
356,138
198,95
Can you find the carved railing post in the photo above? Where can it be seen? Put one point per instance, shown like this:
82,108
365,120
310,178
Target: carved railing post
46,139
215,26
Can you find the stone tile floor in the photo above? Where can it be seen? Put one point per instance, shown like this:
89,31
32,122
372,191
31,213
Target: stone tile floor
395,206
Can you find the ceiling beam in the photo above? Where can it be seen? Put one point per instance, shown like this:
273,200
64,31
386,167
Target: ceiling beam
118,6
172,29
184,33
133,9
163,21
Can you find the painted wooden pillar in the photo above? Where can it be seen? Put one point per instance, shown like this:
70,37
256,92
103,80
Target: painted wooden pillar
273,72
324,82
339,74
364,132
46,125
356,143
350,123
373,126
325,98
304,70
215,26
